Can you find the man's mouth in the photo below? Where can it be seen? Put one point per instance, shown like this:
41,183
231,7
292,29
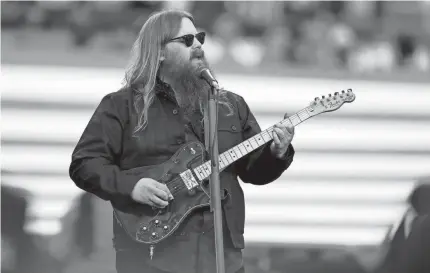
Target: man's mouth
199,55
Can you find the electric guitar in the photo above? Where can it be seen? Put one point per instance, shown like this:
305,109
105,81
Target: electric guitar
186,176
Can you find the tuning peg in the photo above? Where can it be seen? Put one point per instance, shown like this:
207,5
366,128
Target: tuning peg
329,95
343,91
316,98
336,93
323,97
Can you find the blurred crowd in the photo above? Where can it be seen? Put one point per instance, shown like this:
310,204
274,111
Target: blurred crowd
358,36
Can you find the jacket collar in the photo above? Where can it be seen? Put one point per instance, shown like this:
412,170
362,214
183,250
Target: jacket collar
162,89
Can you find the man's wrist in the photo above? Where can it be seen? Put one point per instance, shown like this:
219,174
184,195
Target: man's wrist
279,154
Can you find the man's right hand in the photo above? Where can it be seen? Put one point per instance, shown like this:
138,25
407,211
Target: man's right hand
151,192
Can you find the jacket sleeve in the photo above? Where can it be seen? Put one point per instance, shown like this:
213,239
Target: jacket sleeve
260,167
94,165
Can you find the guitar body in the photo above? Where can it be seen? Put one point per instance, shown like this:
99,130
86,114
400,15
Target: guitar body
150,225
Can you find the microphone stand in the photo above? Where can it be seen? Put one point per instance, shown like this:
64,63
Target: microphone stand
214,180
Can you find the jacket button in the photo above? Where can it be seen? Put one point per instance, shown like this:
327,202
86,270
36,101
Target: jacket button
233,127
175,111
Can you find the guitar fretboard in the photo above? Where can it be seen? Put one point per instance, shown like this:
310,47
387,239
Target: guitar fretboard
230,156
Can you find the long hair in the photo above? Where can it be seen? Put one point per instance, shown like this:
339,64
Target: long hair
141,74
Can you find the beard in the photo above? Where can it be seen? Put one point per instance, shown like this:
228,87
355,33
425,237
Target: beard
191,91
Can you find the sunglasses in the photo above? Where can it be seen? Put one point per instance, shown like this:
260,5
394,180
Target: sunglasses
188,39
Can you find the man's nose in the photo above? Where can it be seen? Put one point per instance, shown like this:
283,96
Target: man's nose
196,43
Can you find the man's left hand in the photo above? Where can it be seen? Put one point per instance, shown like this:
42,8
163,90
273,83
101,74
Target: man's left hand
282,136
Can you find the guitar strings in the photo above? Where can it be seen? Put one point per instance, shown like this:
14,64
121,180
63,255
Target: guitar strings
177,181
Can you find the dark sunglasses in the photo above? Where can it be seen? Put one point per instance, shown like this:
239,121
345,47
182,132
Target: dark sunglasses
188,39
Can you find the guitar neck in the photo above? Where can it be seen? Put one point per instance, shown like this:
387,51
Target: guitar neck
232,155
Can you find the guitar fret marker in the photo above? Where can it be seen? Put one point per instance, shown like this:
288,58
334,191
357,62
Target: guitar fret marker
256,141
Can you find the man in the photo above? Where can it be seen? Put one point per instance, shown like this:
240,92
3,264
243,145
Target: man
159,109
409,245
14,239
417,245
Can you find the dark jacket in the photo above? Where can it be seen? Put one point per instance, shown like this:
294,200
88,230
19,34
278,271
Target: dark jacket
417,246
409,249
107,150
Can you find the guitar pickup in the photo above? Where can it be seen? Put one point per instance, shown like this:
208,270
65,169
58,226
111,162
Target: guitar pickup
188,179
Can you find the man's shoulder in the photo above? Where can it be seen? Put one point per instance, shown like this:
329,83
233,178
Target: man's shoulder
122,94
234,98
232,95
118,101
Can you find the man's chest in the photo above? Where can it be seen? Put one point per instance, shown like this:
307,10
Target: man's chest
168,129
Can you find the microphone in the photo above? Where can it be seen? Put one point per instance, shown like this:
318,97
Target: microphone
209,78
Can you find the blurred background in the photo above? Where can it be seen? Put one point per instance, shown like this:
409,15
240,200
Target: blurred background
335,210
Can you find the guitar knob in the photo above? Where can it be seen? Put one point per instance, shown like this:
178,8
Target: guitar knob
157,222
166,177
154,235
166,228
144,229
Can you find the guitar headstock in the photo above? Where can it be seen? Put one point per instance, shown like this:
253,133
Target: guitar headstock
330,103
